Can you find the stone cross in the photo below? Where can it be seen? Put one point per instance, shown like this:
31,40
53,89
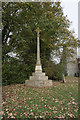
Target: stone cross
38,78
38,47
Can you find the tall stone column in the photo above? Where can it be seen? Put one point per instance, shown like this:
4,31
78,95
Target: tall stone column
38,67
38,47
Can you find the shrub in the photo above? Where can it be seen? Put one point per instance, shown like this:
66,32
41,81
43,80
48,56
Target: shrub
54,71
15,72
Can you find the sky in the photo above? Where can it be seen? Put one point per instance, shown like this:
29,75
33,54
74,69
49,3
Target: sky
70,8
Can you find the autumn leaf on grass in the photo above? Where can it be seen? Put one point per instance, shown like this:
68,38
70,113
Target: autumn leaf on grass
53,108
68,103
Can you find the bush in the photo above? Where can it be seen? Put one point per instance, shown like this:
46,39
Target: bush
59,71
54,71
15,72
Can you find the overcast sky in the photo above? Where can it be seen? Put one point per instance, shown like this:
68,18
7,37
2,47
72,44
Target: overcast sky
70,8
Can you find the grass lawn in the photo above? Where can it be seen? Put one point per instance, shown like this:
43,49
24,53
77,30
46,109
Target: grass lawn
59,101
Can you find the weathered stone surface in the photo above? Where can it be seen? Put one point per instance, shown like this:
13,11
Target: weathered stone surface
38,79
38,83
38,68
38,76
37,73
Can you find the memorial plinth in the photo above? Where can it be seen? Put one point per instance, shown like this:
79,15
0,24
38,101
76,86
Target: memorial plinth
38,78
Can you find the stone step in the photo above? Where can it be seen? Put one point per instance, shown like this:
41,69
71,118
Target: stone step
40,83
39,77
38,74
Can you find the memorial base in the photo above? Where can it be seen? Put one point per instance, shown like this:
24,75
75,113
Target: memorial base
38,79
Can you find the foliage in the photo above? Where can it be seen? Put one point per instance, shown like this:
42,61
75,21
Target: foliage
15,74
54,71
20,21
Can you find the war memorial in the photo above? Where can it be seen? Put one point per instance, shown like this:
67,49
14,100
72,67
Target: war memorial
38,78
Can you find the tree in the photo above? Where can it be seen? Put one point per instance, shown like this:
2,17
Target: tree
20,21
